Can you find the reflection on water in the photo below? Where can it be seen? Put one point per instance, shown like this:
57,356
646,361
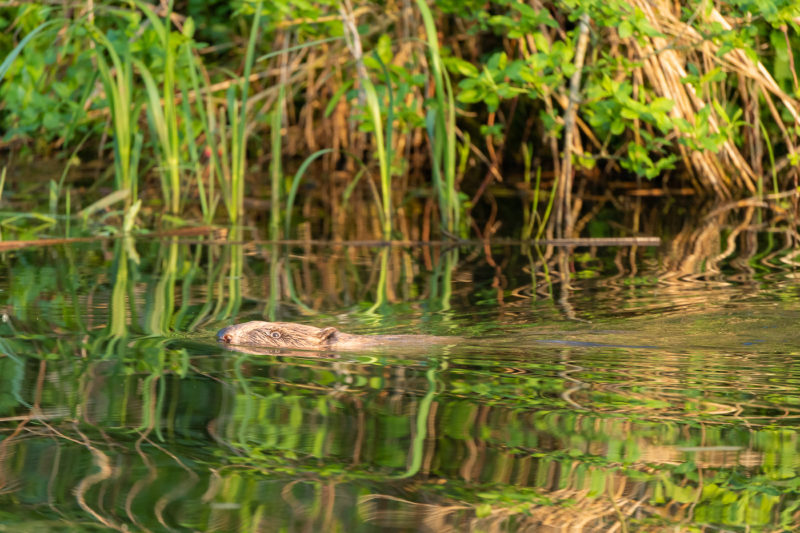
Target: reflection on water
596,391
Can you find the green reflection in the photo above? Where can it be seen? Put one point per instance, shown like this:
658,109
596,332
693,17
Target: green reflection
118,409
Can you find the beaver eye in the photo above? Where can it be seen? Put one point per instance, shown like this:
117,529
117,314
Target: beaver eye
275,335
227,337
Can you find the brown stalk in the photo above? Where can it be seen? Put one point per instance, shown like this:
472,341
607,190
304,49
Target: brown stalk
736,61
664,68
564,216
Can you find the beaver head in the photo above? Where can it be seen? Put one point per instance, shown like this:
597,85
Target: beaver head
277,335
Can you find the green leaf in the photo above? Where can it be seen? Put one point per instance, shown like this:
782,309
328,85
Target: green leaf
106,201
188,28
502,20
384,49
483,510
462,67
625,29
15,52
336,97
469,96
541,42
662,104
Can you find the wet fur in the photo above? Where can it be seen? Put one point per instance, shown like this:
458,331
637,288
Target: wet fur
278,335
287,335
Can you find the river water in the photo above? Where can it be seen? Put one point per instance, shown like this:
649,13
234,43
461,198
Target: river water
609,389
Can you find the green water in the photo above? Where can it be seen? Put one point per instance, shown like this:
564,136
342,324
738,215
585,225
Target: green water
590,392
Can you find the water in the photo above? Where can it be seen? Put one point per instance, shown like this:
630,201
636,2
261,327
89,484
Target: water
621,398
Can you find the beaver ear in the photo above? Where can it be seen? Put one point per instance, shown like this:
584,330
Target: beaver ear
327,334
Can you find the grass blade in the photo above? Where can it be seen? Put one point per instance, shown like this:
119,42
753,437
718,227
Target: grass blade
296,185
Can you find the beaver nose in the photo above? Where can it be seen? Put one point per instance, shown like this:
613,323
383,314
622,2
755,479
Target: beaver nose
224,335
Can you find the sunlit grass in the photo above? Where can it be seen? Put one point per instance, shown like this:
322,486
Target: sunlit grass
441,125
298,176
3,180
237,114
206,117
276,171
122,105
374,109
531,219
152,91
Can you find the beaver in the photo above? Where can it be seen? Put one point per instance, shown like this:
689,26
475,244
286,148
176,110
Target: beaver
299,336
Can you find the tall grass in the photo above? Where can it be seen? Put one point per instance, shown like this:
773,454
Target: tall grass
225,129
383,152
166,122
530,212
162,108
194,110
192,149
383,149
123,107
298,176
237,112
225,154
441,126
206,113
276,172
166,132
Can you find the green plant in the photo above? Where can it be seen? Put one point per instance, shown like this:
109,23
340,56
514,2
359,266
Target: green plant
276,173
162,109
441,126
383,148
237,114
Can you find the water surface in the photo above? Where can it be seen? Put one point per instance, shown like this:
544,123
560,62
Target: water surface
588,392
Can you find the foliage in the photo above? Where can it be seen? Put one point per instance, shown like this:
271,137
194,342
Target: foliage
622,111
662,91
